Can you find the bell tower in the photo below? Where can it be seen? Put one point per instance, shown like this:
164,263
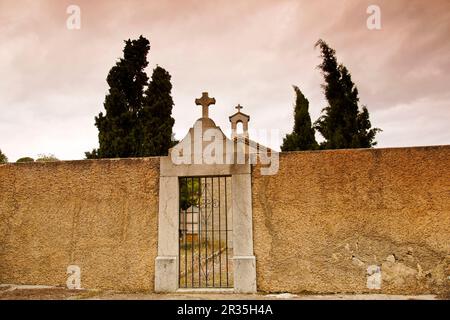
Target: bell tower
239,117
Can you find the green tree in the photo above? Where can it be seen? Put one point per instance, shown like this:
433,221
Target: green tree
190,192
3,157
46,158
126,82
92,154
302,137
25,159
138,121
342,124
155,122
366,136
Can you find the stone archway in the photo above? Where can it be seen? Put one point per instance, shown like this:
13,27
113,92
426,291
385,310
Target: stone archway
188,159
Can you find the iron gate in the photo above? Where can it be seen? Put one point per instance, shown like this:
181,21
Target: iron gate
205,244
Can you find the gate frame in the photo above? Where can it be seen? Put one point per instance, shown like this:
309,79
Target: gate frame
166,263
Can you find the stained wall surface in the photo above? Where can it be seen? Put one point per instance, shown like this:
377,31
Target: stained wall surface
100,215
328,216
319,224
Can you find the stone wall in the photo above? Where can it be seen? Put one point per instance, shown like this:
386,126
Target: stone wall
329,216
319,224
98,214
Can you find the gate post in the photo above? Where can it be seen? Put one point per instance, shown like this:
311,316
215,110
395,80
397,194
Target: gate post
166,264
244,262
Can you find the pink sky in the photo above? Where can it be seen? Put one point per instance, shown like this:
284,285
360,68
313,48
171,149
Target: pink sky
248,52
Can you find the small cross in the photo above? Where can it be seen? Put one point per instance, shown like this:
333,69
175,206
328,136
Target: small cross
205,102
239,107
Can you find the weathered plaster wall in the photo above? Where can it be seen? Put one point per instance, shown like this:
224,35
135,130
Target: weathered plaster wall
318,224
100,215
327,216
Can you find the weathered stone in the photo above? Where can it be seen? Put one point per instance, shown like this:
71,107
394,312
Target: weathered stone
100,215
244,274
322,203
166,274
374,277
390,258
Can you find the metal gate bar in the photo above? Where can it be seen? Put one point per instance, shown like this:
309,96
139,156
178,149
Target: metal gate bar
204,205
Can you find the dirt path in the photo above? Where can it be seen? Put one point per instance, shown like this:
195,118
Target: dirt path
13,292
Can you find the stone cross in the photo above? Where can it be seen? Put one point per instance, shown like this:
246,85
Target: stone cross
205,102
239,107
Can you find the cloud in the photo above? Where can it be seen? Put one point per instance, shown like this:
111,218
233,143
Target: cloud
249,52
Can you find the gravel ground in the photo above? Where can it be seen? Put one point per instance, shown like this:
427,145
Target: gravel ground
15,292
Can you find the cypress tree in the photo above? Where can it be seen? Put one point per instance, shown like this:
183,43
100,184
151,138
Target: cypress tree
342,124
302,137
138,121
126,82
155,122
366,136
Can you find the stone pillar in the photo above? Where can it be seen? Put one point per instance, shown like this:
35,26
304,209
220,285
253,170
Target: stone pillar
166,264
244,262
